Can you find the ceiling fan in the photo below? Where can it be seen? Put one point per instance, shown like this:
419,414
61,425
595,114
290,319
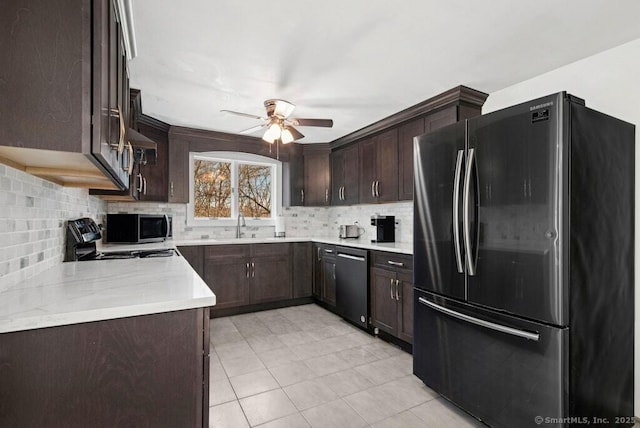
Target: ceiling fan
279,124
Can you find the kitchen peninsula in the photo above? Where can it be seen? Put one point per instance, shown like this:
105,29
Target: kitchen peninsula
103,342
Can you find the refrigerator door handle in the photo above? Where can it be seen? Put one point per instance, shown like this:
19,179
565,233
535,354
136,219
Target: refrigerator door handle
465,214
482,323
456,212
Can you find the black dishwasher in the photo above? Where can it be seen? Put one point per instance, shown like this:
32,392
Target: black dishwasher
352,285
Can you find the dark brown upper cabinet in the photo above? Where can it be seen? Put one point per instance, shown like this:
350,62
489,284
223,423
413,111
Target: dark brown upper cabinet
316,175
64,97
406,133
345,176
379,168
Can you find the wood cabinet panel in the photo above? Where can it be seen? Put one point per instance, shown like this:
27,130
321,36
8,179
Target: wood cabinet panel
178,172
316,179
379,168
384,310
226,272
406,133
329,281
156,179
270,279
145,371
405,307
324,273
302,275
345,168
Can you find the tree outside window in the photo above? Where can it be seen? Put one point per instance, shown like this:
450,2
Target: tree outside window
214,184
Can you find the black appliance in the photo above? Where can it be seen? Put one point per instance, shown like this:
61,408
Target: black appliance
352,293
138,228
384,228
523,264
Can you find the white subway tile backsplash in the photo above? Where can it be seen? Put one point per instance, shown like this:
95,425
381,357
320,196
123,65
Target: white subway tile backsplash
32,220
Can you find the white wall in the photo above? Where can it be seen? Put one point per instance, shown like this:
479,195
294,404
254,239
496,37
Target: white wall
608,82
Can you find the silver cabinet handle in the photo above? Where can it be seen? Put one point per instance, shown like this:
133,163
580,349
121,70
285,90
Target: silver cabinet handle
456,214
487,324
334,271
319,258
342,192
144,191
328,251
247,270
373,188
392,263
397,292
302,196
253,270
465,214
171,189
139,188
326,195
391,288
377,189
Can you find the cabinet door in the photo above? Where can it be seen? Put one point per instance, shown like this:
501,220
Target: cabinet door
302,276
368,170
405,306
329,280
405,157
270,279
386,187
194,255
178,172
350,191
155,176
384,309
316,179
337,177
318,271
226,272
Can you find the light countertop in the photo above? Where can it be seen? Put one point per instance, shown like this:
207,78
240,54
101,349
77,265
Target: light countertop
75,292
394,247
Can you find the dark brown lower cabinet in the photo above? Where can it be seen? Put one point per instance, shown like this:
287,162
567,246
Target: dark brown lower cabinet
194,255
143,371
324,273
302,274
391,294
246,274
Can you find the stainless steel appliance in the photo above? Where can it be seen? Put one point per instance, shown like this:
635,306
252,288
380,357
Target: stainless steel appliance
352,294
81,238
349,231
384,228
523,264
138,228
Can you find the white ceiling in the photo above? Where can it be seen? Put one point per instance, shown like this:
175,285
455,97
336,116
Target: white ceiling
355,61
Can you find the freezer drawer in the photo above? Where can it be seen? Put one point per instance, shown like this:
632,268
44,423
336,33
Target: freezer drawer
501,369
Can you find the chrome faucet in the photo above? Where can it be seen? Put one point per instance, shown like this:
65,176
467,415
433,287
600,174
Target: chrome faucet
239,225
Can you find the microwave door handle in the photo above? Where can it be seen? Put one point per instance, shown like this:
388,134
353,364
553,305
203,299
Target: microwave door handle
166,226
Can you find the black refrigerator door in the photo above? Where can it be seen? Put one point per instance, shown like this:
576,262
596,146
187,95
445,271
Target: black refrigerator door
501,369
518,160
437,245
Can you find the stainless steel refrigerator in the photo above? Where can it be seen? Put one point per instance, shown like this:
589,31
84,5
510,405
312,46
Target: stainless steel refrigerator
523,265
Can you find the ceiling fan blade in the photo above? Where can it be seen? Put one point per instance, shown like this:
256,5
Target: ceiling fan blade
325,123
295,133
244,114
253,129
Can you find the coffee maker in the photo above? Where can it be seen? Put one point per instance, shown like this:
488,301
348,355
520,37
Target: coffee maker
384,228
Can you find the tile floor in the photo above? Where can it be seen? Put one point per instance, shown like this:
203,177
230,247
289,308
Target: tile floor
305,367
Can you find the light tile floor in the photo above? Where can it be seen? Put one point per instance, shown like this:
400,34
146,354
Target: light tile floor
305,367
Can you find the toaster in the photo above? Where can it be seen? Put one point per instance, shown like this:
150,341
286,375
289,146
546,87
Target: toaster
349,231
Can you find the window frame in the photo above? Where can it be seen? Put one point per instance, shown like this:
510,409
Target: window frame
236,158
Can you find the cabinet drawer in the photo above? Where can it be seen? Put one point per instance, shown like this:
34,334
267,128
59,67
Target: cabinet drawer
226,251
391,260
279,249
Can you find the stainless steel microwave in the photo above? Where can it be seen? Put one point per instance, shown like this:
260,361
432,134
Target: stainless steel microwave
138,228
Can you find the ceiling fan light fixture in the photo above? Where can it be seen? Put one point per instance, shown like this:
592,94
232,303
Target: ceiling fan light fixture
272,134
286,136
283,109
